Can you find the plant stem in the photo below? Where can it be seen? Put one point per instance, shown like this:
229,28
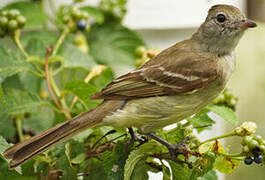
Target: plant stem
17,41
19,129
65,32
219,137
47,75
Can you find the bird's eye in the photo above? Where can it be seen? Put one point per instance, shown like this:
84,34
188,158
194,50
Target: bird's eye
221,18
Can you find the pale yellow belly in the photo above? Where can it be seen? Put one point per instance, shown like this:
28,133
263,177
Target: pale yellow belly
156,112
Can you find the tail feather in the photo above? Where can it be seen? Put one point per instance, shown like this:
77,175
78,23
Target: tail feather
21,152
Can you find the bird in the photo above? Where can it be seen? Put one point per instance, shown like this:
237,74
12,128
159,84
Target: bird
171,86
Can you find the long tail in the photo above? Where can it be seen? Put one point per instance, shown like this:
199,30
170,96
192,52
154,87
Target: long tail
23,151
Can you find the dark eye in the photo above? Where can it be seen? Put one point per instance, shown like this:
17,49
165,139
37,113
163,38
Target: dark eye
221,18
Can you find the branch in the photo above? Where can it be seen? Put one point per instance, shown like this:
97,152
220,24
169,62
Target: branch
56,102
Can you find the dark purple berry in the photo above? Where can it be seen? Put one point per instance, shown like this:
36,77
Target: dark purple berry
258,158
81,24
248,160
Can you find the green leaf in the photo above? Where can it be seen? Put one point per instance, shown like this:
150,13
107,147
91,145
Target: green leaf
7,129
113,44
83,91
166,173
96,13
21,101
211,175
179,171
79,158
36,42
201,120
140,171
39,120
74,58
32,12
2,97
11,63
226,113
226,165
134,157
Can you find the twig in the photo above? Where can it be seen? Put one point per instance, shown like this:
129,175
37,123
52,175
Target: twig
65,32
48,51
17,41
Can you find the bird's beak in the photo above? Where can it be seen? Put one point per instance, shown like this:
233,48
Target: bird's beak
245,24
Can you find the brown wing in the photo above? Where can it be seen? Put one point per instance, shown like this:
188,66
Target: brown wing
166,74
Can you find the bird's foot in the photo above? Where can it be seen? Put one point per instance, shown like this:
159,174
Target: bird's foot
176,149
135,138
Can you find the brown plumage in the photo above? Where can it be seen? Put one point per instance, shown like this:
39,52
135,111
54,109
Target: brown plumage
173,85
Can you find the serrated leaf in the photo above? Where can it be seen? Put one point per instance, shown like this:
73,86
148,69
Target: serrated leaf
179,171
96,13
215,146
140,171
200,120
113,44
83,91
74,58
32,11
11,63
134,157
79,158
226,113
211,175
226,165
39,120
21,101
7,130
2,97
166,173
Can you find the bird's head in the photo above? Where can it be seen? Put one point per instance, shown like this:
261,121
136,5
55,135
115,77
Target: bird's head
222,29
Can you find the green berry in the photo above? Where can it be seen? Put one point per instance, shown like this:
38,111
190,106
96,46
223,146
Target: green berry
12,25
21,20
76,13
4,13
258,138
140,51
66,19
246,149
13,13
84,15
262,148
253,144
3,21
246,140
248,160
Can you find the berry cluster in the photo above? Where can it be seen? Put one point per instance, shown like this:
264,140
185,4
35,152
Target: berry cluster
144,54
76,19
254,149
11,20
227,98
114,8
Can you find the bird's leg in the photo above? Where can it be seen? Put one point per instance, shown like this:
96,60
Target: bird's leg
135,138
175,149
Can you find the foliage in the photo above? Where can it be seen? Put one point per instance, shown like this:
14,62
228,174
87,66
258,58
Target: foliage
47,75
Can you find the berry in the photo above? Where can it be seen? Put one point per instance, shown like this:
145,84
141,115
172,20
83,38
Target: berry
76,13
84,15
248,160
66,19
247,140
258,158
81,24
3,21
4,13
140,51
246,149
21,20
13,13
12,25
252,144
256,150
